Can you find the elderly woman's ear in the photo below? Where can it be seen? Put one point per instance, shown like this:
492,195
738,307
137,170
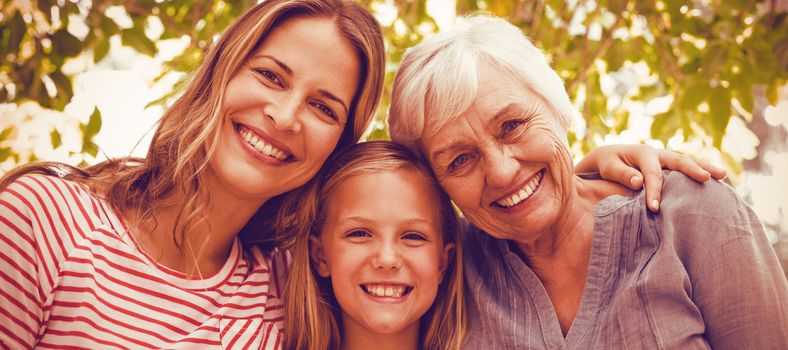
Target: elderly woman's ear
631,165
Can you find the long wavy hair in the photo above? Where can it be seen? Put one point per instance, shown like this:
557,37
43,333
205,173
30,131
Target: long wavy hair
187,134
312,321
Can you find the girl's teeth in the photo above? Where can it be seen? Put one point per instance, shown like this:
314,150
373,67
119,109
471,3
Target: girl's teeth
385,291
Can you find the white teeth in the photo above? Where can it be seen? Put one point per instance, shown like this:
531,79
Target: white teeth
385,291
261,146
524,193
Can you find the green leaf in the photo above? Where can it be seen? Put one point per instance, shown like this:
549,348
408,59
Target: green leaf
63,84
616,56
771,94
92,127
55,138
135,37
65,44
101,50
90,148
18,30
720,111
6,132
5,152
713,59
108,26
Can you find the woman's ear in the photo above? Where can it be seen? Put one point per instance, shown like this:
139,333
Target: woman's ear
448,254
318,257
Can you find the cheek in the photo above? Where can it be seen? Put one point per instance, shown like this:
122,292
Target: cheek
321,139
426,266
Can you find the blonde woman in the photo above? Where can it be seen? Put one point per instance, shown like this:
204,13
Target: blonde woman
144,253
380,266
155,252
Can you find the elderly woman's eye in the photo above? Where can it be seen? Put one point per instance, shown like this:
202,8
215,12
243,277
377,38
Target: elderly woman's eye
511,125
459,161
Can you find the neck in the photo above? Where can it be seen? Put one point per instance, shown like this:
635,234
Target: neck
204,248
566,248
357,337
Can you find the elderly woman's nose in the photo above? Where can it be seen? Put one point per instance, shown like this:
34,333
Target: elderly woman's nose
387,256
500,168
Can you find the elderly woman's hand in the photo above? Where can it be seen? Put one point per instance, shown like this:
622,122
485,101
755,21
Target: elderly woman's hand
631,164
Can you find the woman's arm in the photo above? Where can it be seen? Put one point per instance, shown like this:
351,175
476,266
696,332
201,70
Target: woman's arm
20,297
631,165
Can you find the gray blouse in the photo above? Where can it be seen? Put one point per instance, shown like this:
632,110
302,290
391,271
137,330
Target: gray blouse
699,274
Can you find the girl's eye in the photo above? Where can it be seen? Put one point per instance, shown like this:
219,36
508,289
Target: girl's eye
327,111
511,125
270,76
357,234
414,236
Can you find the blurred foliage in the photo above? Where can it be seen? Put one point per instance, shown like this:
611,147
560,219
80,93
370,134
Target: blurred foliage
707,55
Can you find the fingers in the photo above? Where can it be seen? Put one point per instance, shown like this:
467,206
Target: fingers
652,174
618,171
696,169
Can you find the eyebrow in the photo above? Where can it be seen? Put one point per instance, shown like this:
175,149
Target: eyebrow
278,62
331,96
512,108
289,71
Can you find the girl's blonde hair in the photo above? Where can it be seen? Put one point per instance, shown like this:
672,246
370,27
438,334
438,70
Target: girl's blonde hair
313,317
182,144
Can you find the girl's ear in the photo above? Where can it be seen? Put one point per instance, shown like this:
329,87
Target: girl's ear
448,254
318,257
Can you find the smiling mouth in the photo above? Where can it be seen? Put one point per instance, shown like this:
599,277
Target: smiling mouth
264,148
387,290
524,193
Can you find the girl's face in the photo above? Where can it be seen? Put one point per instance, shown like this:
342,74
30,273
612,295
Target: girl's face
382,246
285,109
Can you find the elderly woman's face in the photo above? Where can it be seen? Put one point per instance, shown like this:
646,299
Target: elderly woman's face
504,162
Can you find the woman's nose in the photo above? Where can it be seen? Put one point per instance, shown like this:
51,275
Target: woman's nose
285,116
501,167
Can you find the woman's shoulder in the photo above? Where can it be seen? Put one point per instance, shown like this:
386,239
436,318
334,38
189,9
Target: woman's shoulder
44,189
713,200
705,214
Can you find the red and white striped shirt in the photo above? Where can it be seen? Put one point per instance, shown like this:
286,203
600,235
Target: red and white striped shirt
72,277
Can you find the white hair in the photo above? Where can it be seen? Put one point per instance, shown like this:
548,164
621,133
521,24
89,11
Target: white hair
438,80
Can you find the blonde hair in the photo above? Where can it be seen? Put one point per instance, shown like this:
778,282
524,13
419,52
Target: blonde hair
313,318
182,145
438,78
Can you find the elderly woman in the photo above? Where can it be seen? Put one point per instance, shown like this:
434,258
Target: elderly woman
562,261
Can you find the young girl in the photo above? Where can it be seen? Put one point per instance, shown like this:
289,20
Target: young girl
381,264
144,253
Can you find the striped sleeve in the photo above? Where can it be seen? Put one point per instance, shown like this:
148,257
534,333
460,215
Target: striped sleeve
21,298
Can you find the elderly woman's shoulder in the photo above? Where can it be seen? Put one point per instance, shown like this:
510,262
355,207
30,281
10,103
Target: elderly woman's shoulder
681,192
712,210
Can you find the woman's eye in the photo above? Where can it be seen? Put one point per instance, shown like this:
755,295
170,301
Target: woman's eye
327,111
414,236
511,125
459,161
270,76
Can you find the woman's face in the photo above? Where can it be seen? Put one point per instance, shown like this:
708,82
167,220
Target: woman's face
285,109
503,162
382,247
